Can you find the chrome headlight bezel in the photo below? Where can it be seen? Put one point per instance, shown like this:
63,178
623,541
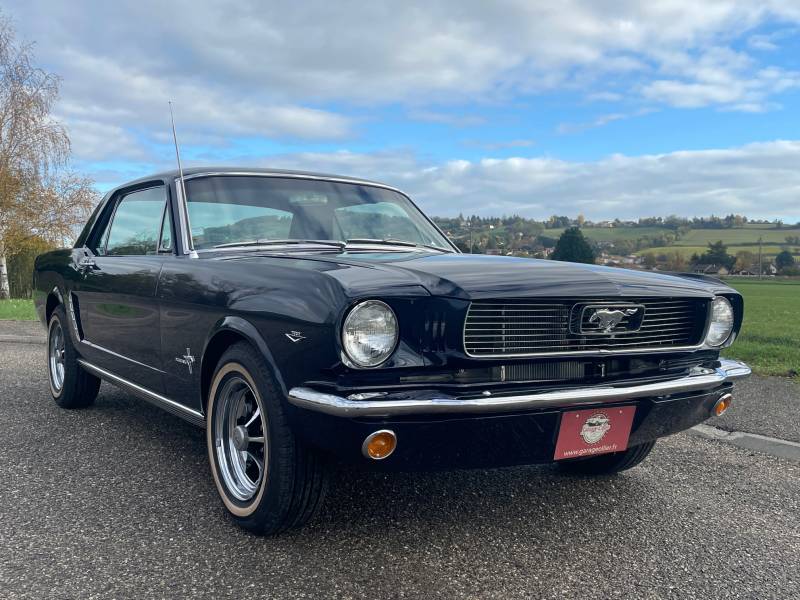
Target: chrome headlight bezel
721,322
382,316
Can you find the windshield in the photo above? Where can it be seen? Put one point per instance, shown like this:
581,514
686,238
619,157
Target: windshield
226,210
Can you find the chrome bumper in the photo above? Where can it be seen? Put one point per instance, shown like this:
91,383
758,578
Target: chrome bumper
700,379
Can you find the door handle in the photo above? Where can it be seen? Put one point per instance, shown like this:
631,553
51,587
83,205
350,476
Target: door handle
87,263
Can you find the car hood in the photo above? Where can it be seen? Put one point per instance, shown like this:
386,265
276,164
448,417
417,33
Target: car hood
472,276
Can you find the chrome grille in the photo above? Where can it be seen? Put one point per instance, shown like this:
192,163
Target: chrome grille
524,327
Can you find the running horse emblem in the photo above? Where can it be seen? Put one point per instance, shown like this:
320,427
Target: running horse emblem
608,319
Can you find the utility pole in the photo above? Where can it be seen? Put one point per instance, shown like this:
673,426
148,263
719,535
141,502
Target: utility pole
470,235
759,258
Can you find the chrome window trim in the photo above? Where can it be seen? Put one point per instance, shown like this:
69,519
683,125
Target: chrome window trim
183,217
313,178
290,176
176,408
589,353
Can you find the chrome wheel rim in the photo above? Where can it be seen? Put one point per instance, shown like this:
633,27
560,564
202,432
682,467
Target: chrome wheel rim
56,355
239,438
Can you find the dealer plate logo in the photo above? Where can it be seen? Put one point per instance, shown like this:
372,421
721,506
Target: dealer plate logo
595,428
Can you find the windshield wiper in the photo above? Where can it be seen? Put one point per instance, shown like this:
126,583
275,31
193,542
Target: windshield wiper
333,243
391,242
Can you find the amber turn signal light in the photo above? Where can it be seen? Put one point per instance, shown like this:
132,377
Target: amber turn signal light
723,404
379,445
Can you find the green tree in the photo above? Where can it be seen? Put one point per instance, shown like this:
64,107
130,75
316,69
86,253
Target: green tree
38,199
717,254
784,260
573,247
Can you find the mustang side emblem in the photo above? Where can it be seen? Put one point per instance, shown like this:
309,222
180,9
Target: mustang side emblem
608,319
187,359
295,336
595,428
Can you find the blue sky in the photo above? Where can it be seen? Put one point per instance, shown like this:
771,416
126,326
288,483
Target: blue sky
609,109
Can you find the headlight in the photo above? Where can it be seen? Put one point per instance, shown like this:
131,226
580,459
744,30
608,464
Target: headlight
721,324
369,333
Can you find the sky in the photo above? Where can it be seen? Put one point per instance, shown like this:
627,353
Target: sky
620,109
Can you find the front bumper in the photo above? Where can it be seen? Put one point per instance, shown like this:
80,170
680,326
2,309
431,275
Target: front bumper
386,404
439,432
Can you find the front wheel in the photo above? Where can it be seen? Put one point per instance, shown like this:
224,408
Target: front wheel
267,479
70,385
606,464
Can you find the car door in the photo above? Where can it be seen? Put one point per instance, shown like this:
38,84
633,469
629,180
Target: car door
119,312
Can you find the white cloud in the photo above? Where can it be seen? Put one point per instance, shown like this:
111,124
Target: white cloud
380,52
297,71
760,180
721,77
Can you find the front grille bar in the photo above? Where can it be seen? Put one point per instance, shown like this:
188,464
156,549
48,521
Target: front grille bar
519,328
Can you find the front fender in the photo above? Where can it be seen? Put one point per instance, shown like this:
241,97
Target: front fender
242,328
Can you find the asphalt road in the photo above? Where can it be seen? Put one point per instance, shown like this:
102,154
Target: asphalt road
764,405
117,501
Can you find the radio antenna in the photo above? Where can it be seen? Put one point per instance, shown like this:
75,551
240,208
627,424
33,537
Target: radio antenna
185,208
177,152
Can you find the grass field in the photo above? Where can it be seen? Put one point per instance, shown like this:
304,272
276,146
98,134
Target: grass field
612,234
731,237
770,337
741,236
768,250
17,310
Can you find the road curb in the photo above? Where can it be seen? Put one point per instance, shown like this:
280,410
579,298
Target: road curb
22,339
750,441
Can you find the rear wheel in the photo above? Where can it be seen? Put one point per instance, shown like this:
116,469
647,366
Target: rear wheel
70,385
267,479
607,463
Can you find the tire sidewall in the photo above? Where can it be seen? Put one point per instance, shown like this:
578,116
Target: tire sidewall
55,319
237,508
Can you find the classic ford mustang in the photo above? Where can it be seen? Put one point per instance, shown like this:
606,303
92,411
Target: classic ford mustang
301,318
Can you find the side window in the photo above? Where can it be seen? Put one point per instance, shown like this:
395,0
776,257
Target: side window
166,231
136,224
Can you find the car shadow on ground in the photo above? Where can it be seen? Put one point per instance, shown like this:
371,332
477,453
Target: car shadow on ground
385,501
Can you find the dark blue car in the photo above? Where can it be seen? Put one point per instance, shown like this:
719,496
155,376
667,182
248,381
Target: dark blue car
303,318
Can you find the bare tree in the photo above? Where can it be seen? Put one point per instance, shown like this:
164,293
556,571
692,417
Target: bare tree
37,196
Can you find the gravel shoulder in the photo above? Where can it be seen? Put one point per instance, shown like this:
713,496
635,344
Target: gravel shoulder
117,501
22,331
766,406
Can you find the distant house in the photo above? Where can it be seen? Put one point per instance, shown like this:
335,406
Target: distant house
752,271
631,259
709,269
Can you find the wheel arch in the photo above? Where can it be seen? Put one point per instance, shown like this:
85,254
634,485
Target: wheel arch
54,299
228,331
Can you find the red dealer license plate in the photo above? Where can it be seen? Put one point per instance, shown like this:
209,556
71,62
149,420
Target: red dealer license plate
594,431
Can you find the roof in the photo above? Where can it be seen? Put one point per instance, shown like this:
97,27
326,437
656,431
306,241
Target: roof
233,170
